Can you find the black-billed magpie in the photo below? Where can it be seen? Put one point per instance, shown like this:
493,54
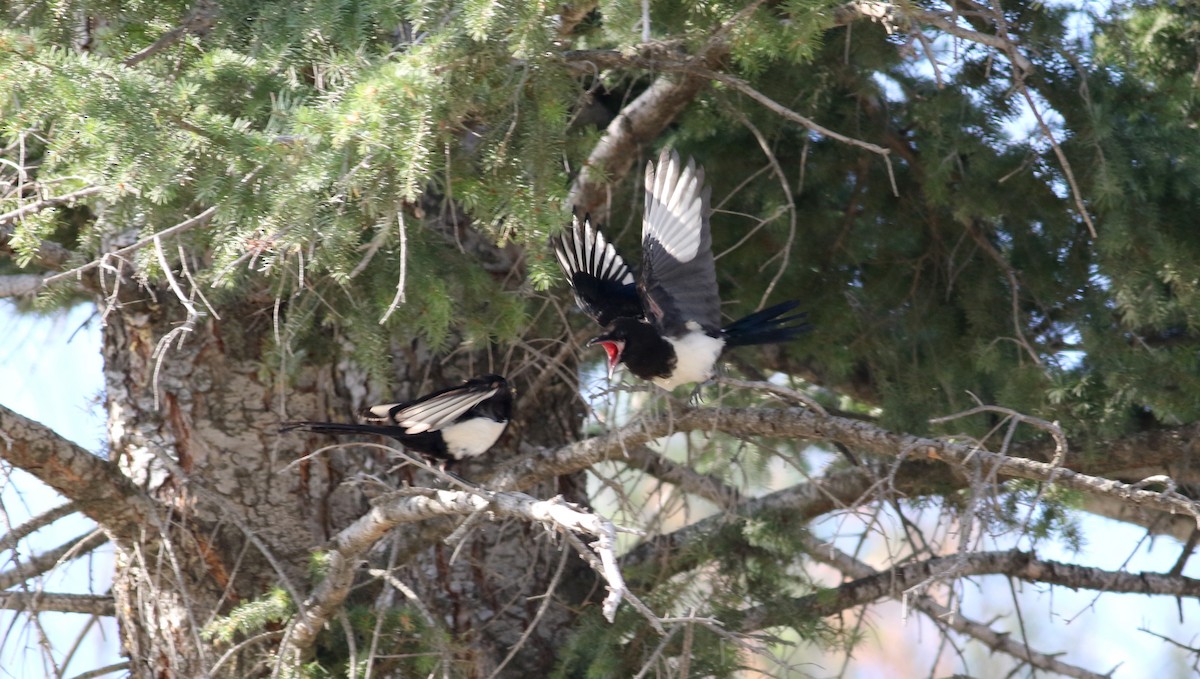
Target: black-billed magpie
448,425
665,326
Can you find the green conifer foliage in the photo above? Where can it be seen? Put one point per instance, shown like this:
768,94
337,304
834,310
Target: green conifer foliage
315,154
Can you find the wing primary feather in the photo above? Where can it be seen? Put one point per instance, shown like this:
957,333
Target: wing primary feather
441,411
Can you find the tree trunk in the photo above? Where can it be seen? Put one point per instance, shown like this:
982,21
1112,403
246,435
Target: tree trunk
194,420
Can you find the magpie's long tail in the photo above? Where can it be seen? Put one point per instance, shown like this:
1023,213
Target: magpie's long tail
341,428
768,326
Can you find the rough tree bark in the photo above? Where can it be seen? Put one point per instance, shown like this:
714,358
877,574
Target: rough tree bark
194,423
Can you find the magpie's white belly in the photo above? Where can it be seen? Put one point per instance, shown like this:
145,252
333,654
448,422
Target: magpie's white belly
696,357
472,437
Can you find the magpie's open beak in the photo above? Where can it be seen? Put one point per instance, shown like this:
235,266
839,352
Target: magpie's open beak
613,348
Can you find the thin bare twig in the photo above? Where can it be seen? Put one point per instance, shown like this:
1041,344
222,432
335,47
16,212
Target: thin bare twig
13,215
90,604
36,523
399,298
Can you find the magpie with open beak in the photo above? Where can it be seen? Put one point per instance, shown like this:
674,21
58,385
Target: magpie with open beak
666,326
448,425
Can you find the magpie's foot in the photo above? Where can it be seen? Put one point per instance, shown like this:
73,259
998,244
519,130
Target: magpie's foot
694,398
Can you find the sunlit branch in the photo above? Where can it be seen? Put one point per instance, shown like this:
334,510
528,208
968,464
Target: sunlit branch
98,488
417,505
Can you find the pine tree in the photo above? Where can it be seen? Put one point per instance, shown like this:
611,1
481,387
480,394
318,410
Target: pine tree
292,210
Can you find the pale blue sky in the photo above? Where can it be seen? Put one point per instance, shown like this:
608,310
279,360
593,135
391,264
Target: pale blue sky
50,371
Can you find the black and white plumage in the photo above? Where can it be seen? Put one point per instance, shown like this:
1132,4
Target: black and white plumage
451,424
665,326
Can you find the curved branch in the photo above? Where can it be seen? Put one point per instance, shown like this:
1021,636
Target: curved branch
414,505
97,487
1151,451
636,125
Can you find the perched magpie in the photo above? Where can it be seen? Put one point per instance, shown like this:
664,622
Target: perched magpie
666,326
448,425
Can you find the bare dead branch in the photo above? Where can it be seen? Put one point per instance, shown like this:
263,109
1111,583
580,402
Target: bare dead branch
945,22
7,218
186,224
88,604
35,524
1060,439
1157,449
97,487
48,560
942,615
415,505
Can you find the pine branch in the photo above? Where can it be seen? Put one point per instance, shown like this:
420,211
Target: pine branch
636,125
35,524
48,560
96,486
41,602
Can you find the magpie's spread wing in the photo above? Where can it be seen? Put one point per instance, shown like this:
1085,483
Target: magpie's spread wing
603,284
433,412
679,278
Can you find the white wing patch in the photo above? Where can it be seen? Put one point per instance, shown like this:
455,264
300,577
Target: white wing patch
436,413
592,254
673,207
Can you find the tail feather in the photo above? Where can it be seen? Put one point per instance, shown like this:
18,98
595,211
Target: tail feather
342,428
768,326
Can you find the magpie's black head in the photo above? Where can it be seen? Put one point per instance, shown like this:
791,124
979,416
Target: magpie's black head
635,343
